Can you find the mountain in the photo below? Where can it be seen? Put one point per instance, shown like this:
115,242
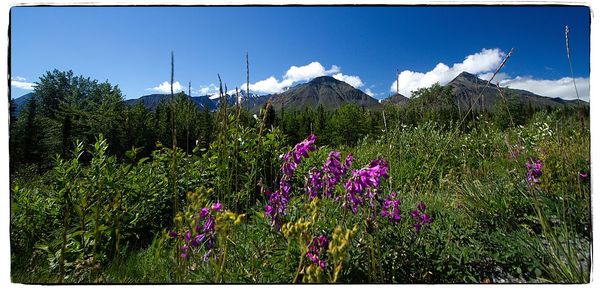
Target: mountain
21,102
326,91
466,88
152,101
247,101
395,99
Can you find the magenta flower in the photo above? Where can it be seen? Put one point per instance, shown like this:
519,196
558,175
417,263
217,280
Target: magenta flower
276,208
421,219
391,208
333,171
204,231
302,149
209,224
367,178
184,251
313,183
317,249
278,200
194,243
584,176
217,206
347,163
204,212
534,171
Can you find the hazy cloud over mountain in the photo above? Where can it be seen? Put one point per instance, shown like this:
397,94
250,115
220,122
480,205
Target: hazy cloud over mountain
304,73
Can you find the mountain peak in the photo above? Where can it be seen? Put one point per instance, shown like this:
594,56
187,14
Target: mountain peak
467,76
324,79
324,90
395,99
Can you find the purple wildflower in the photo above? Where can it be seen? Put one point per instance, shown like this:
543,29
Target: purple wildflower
332,172
317,249
391,208
184,251
421,219
302,149
313,183
277,203
367,178
204,231
289,165
204,212
347,164
217,206
534,171
276,208
584,176
209,224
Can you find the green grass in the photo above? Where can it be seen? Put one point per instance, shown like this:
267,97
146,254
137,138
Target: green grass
489,225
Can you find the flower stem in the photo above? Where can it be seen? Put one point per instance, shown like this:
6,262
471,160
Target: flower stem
298,270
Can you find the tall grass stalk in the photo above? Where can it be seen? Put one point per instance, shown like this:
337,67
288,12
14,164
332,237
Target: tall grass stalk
173,170
565,263
455,131
569,59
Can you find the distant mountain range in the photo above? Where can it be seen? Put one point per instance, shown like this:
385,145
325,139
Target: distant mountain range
332,94
152,101
466,88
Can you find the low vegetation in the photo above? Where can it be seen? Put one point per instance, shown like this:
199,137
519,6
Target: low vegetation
103,193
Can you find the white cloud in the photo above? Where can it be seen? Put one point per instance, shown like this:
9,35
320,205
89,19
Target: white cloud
310,71
19,82
562,87
206,90
230,92
369,92
269,85
498,78
294,74
482,62
354,81
165,87
22,85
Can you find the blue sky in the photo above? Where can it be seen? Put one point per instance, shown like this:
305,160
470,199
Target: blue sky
131,46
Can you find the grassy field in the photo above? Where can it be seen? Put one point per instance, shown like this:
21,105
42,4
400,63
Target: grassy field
416,204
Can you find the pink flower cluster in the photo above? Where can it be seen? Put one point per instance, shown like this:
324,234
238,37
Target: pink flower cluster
316,251
313,183
204,234
331,173
421,218
278,200
391,208
365,180
534,171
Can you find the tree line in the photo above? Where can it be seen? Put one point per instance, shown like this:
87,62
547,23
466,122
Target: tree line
67,108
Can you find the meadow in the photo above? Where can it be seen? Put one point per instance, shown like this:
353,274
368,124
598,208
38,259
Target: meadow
429,201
